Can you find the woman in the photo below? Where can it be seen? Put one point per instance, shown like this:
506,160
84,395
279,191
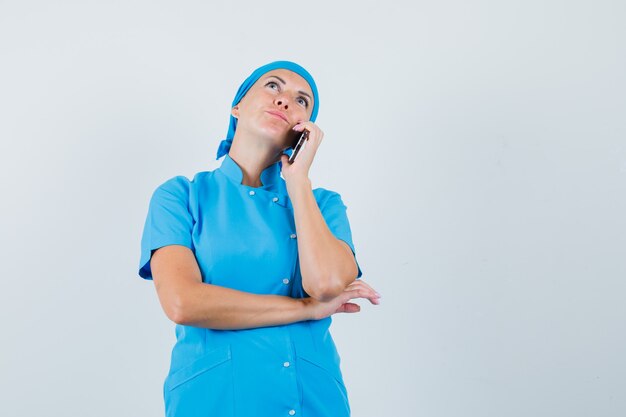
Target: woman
251,266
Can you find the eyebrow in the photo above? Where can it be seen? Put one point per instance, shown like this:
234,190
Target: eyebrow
283,81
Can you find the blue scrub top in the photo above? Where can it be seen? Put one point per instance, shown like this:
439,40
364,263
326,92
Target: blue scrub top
245,238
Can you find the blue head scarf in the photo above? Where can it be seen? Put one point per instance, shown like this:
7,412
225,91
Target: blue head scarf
243,89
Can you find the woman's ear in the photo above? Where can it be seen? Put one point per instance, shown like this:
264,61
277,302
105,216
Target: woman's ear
235,112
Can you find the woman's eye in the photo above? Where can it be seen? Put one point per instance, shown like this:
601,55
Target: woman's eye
272,85
303,102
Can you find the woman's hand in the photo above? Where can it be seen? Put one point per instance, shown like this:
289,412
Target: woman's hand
340,304
300,167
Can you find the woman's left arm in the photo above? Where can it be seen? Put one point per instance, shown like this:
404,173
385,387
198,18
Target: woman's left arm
327,264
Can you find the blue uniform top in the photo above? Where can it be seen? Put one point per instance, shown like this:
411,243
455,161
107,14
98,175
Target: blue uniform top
245,238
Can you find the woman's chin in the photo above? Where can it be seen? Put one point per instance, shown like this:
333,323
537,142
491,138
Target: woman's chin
273,130
278,136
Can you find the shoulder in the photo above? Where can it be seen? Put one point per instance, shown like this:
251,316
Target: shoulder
174,185
324,193
325,197
181,185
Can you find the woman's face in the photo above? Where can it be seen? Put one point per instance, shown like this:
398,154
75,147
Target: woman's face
274,104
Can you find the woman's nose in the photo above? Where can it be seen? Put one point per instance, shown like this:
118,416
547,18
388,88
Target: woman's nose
282,102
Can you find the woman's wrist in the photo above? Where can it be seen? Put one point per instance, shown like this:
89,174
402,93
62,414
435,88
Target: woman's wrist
297,185
307,306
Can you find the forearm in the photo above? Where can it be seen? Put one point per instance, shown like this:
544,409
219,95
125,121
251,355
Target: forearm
217,307
325,264
187,300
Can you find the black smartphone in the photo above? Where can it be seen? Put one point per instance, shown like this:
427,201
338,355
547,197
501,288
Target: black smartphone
300,139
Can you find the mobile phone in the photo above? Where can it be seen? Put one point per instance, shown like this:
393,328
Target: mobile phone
301,138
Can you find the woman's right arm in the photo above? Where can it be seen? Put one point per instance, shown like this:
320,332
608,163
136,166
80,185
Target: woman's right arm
187,300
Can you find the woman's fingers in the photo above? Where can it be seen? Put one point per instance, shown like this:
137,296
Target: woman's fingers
361,292
364,291
315,133
342,304
360,282
307,153
348,308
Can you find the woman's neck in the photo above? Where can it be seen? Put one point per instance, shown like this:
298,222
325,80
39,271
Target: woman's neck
253,158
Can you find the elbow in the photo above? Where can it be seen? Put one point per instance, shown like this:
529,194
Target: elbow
175,311
325,290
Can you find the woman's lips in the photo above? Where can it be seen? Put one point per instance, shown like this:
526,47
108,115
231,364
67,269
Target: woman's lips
278,114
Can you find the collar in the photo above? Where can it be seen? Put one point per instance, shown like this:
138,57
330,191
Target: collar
269,177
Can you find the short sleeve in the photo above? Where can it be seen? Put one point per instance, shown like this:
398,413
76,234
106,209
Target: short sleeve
169,221
334,212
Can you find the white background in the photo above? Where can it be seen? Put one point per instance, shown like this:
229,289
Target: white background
480,147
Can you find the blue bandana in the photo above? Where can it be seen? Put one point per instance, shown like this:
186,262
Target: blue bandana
243,89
